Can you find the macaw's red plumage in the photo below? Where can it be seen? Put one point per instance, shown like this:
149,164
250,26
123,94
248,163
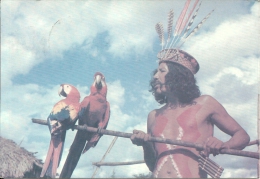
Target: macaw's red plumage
63,116
95,112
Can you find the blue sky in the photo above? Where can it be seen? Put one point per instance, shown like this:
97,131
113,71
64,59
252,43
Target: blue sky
44,44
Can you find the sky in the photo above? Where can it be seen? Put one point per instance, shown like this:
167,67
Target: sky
48,43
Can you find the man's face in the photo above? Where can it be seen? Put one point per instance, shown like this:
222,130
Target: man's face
159,78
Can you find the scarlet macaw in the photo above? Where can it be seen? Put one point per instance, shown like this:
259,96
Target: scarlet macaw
63,116
95,112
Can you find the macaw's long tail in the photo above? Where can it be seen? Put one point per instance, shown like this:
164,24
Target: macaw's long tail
74,154
54,154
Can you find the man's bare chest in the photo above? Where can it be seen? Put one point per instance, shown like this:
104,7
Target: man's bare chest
177,124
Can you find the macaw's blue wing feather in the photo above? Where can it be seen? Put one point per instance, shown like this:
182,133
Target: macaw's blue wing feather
61,115
64,115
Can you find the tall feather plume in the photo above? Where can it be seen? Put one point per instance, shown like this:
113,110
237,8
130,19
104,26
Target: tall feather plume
159,30
197,27
181,17
180,31
179,23
187,19
191,21
170,23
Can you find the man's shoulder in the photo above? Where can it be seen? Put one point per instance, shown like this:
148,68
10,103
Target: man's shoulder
151,118
205,100
152,113
209,104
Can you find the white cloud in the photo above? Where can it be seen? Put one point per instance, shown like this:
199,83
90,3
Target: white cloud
140,126
34,31
17,59
44,30
241,173
116,97
118,120
116,92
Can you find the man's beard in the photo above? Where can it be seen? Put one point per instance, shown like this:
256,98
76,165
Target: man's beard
155,82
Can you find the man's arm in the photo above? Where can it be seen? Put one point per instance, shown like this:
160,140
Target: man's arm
140,138
220,117
148,147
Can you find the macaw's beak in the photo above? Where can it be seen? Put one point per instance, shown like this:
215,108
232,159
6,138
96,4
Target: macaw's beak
61,91
98,82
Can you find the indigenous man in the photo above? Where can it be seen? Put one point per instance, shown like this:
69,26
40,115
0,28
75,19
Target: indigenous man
186,115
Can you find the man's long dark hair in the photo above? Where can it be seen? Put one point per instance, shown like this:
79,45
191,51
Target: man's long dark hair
181,82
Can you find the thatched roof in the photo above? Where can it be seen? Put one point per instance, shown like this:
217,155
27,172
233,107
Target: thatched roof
16,162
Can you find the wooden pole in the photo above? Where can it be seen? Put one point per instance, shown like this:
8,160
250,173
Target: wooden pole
108,150
117,163
158,139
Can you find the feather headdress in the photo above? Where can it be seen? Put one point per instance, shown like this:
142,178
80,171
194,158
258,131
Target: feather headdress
159,30
182,31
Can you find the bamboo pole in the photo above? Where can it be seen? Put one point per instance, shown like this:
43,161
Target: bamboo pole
158,139
117,163
103,158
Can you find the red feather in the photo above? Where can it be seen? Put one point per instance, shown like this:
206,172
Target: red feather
181,18
186,20
95,112
64,113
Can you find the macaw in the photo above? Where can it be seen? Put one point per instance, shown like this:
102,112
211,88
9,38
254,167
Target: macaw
62,117
94,112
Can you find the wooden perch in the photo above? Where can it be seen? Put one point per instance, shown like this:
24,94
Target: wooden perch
197,146
117,163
